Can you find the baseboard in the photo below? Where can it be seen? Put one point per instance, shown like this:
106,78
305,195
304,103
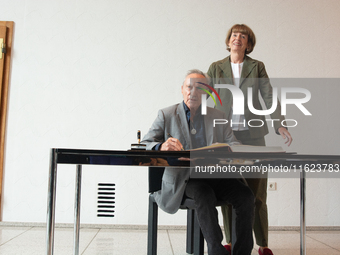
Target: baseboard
308,228
161,227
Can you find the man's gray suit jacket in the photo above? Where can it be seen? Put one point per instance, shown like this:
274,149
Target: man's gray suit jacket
172,120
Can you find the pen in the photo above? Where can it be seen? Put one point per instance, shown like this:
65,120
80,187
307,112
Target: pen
173,137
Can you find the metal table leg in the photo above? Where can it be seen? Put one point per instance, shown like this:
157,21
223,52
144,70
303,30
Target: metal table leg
51,198
233,229
302,212
77,210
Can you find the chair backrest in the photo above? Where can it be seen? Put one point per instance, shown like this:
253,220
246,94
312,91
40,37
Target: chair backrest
155,178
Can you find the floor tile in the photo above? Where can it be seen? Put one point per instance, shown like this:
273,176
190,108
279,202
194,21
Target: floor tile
288,242
32,241
8,233
329,238
178,241
109,241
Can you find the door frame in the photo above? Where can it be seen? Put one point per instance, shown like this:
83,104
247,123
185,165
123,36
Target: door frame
4,99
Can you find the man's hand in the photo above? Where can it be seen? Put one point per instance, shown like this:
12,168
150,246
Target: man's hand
172,144
285,135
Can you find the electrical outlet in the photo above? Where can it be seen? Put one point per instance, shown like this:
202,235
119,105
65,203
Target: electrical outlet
272,186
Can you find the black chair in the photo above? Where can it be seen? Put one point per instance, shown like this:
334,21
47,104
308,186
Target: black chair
195,240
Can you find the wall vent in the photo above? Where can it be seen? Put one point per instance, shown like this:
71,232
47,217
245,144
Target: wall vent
106,199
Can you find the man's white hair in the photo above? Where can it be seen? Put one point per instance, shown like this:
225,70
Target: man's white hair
196,71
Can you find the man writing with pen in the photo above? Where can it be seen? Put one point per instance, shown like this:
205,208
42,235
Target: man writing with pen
182,126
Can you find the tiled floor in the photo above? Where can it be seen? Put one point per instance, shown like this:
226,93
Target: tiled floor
31,240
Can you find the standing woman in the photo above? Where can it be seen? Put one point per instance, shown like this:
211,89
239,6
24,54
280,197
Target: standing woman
245,72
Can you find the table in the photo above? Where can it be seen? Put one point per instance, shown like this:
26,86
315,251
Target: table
81,157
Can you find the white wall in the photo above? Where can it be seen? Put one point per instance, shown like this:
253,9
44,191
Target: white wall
89,73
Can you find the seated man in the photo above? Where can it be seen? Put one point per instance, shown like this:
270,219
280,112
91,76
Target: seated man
182,126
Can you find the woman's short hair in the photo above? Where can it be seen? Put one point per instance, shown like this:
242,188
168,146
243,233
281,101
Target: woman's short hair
243,29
